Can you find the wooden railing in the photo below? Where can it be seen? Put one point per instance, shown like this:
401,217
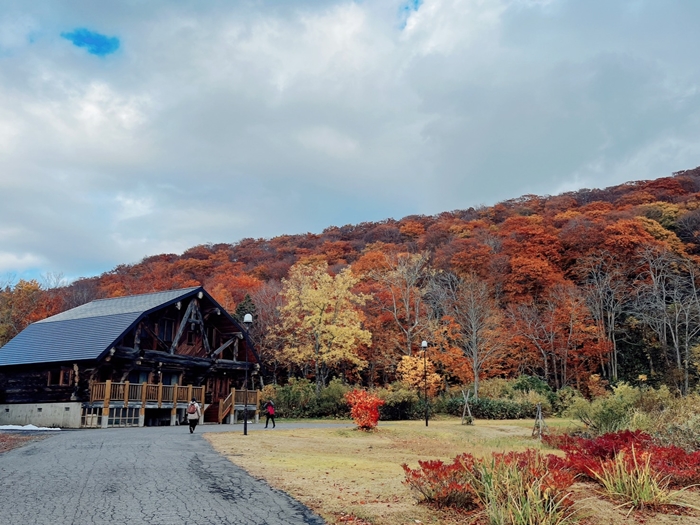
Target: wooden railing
237,399
240,398
132,393
225,407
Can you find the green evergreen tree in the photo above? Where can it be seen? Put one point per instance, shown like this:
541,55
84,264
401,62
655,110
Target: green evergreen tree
246,306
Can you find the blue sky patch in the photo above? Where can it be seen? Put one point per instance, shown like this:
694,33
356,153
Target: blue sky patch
406,9
95,43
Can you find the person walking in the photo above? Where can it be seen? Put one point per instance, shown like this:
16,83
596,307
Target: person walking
194,412
269,408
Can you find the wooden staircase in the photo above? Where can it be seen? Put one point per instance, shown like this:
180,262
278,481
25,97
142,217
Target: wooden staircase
211,414
218,410
225,407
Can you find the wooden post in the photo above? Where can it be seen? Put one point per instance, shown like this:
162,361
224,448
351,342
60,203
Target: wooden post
105,406
189,392
126,394
173,412
160,395
540,426
468,418
142,411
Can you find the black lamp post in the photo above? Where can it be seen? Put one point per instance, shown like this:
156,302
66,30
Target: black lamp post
424,346
247,321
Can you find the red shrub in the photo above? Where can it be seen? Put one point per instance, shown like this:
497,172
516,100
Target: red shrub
364,408
586,456
445,485
534,466
462,483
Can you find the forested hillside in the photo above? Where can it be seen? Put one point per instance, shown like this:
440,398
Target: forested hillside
590,282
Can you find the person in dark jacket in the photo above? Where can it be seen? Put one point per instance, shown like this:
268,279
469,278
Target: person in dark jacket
269,408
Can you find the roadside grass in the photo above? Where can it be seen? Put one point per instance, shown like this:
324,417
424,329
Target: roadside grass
350,476
12,440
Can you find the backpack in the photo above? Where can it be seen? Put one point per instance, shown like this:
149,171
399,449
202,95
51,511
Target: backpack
192,409
271,409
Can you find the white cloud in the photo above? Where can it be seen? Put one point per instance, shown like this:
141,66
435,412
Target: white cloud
219,121
131,207
18,262
328,141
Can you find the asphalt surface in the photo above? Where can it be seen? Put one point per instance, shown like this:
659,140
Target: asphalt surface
158,475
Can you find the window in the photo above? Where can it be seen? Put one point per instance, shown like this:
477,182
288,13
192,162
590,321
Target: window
123,417
166,328
138,376
170,378
60,377
212,336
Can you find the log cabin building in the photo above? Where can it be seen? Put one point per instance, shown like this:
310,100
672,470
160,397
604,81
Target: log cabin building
129,361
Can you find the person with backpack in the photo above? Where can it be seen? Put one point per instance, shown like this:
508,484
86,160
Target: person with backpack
194,412
269,408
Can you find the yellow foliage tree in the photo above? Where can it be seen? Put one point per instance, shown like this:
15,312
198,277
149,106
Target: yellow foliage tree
412,372
321,322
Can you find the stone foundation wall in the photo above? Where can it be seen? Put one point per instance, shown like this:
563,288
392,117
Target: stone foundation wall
63,415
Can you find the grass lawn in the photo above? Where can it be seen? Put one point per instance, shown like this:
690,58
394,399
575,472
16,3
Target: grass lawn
346,475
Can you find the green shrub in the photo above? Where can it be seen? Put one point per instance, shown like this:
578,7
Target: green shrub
400,403
683,434
487,408
670,420
526,383
450,402
607,414
534,398
484,408
331,402
296,399
564,398
495,388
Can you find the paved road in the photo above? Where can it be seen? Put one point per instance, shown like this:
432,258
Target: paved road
159,476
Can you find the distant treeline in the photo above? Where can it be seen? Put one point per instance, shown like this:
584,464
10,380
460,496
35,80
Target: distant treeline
588,283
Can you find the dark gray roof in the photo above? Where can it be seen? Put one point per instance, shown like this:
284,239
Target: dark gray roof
84,332
120,305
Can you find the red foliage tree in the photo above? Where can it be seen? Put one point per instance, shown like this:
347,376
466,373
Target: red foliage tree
364,408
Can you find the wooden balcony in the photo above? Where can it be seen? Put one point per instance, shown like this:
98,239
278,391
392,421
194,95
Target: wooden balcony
144,394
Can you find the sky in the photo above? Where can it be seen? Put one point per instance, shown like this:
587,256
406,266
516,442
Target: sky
135,128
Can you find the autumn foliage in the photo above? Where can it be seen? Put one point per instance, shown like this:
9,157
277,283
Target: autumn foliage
513,487
560,288
364,408
588,458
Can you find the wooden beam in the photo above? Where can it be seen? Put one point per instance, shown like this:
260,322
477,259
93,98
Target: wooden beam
227,364
212,311
224,347
184,360
183,325
137,337
158,339
197,318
